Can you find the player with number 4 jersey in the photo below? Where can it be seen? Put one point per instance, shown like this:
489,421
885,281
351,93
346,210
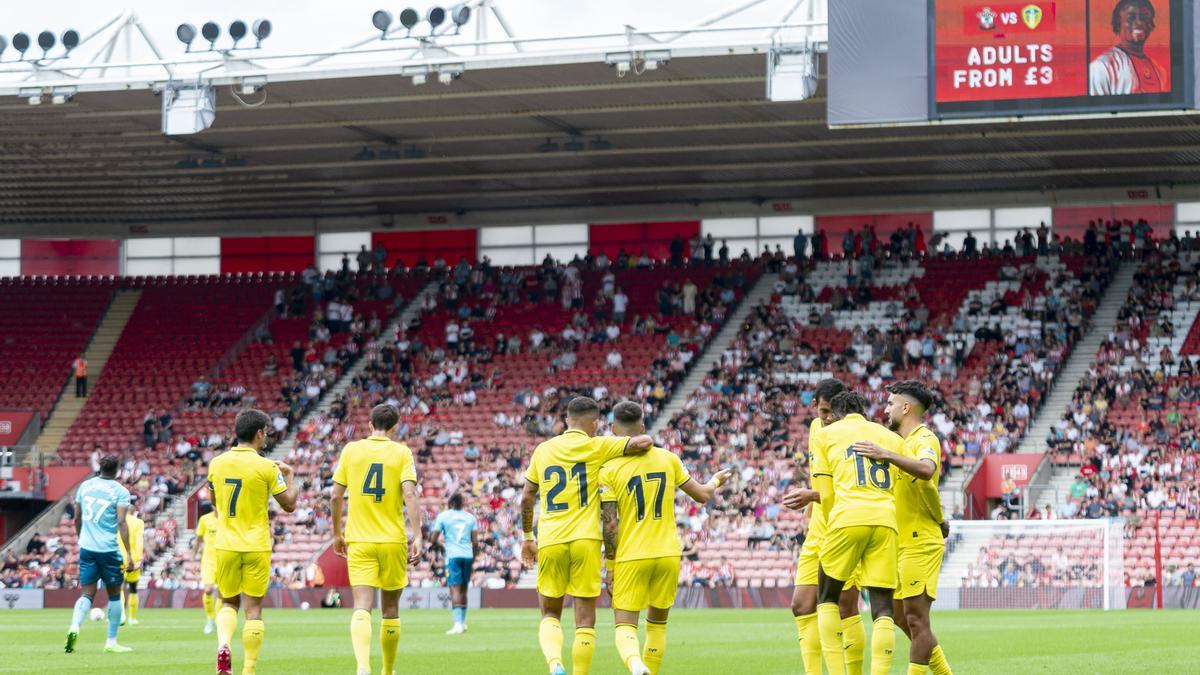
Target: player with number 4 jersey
383,530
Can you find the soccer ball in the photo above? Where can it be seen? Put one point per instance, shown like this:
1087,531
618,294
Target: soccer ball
305,605
96,614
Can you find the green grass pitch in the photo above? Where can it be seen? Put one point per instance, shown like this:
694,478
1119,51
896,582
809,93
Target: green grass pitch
699,641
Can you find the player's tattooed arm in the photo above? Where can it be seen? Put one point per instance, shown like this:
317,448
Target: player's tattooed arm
609,524
529,546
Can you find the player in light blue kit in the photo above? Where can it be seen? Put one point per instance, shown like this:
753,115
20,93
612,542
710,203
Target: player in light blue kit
457,531
100,507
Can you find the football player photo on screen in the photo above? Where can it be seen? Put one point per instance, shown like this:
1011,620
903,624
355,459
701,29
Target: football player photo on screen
1128,68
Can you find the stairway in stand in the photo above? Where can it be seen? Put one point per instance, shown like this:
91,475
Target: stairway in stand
99,348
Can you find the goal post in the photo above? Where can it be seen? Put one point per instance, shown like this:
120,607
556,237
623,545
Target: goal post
1034,564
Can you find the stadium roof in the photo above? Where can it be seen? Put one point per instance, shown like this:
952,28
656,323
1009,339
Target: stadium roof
697,130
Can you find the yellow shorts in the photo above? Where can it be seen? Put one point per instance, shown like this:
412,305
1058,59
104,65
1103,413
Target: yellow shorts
806,569
919,568
133,577
383,566
650,582
208,570
571,569
243,572
874,546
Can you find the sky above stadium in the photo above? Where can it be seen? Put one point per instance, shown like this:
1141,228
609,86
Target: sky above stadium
316,25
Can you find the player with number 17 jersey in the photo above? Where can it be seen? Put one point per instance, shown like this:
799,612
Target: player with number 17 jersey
374,470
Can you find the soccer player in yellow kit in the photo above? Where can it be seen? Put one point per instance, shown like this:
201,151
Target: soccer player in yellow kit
804,597
206,534
133,561
241,482
563,475
920,518
637,510
860,519
380,478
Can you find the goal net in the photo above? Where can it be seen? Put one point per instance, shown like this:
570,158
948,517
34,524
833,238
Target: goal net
1034,564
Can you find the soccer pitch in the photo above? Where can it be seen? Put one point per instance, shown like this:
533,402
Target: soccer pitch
722,641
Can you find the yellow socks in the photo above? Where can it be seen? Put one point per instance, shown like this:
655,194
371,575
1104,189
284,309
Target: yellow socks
829,626
810,643
627,642
226,624
208,606
360,636
582,650
917,669
133,604
389,639
937,662
656,646
550,637
854,644
883,643
252,639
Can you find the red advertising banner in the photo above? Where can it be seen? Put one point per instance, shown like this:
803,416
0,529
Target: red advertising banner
999,51
12,425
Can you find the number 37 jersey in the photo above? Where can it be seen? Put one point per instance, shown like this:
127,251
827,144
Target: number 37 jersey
566,470
373,471
862,488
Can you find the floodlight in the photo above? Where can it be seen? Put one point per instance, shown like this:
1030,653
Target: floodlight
20,42
261,29
460,16
409,18
574,144
237,31
46,41
548,146
186,33
435,16
70,40
382,20
211,31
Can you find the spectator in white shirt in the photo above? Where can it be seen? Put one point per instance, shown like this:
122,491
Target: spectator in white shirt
613,360
620,303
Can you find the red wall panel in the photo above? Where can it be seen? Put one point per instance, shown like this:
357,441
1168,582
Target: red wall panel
1072,221
266,254
885,223
70,256
409,246
654,238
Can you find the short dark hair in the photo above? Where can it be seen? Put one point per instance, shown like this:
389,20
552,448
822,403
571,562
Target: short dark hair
914,390
109,464
627,412
583,406
456,501
248,423
206,508
848,403
1122,4
384,416
828,388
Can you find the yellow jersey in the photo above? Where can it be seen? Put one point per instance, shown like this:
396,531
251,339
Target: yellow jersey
206,530
862,488
918,506
241,482
566,470
643,487
816,515
137,531
374,471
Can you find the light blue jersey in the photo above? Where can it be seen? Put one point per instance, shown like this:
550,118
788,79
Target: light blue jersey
456,528
98,500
